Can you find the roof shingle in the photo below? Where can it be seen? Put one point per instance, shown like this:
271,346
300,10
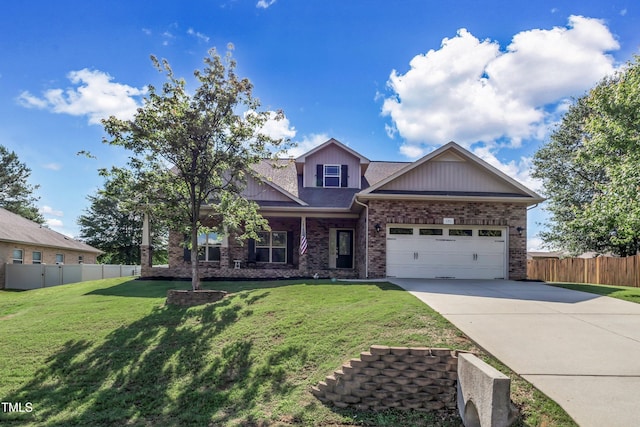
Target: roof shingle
14,228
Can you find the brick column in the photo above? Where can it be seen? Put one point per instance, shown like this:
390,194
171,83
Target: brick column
146,255
145,259
303,264
224,257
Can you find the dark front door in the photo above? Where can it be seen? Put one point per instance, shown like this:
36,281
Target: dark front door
345,249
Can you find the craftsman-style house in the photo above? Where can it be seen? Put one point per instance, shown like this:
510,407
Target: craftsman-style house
335,213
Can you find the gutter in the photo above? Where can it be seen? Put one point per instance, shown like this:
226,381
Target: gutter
366,237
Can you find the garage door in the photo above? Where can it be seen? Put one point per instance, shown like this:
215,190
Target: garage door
455,252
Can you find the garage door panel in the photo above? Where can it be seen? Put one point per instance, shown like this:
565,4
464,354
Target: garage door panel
452,256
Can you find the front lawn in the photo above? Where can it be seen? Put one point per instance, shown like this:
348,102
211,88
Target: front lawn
620,292
110,352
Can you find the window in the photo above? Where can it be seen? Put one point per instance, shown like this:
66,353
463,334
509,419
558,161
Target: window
431,231
490,233
400,230
59,258
331,175
36,257
209,247
17,256
460,232
80,259
272,247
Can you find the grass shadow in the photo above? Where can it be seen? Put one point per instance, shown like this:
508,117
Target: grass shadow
629,294
139,288
173,366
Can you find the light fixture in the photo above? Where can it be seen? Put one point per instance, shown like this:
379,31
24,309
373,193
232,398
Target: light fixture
377,227
519,230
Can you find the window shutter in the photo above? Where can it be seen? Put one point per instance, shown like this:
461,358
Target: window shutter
251,246
319,175
289,247
344,176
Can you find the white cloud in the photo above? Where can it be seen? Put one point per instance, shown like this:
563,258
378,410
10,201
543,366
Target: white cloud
48,210
94,95
519,170
52,166
471,91
54,223
278,129
198,35
264,4
307,143
536,244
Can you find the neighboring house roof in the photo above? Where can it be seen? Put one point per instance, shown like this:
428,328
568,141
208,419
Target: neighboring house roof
16,229
546,255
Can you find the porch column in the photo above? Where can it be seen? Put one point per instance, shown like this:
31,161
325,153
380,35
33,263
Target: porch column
225,261
145,247
303,262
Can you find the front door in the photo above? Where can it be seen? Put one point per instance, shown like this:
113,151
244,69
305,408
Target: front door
344,242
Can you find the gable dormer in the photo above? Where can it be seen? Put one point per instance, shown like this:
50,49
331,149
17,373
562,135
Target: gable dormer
332,165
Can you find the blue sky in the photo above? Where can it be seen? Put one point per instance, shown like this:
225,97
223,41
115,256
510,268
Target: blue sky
393,80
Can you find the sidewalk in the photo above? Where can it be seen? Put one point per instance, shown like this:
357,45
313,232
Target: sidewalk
581,350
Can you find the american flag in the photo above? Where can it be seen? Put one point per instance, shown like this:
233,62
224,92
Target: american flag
303,235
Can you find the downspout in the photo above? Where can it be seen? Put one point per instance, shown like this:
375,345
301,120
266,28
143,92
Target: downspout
366,237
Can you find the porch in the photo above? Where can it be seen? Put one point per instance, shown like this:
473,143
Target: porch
331,252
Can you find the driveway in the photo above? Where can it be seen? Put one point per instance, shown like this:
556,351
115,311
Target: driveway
581,350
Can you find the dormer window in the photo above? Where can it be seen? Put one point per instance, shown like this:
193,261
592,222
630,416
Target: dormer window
332,176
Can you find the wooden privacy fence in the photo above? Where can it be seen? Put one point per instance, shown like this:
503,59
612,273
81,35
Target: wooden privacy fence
600,270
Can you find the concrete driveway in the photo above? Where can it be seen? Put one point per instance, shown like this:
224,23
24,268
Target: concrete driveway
580,349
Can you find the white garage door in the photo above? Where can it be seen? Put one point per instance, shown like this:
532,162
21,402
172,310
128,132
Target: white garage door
456,252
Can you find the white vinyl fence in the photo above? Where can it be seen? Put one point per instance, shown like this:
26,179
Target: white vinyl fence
34,276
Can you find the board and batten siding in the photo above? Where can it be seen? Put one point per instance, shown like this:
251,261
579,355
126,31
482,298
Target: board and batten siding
332,155
256,190
449,176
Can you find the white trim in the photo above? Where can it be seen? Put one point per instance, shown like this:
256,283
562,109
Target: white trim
333,248
533,196
324,176
524,200
332,141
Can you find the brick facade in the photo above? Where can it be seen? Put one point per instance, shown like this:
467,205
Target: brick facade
385,212
316,260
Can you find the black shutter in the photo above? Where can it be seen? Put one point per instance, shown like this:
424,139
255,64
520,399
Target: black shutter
319,175
344,176
289,247
251,246
187,251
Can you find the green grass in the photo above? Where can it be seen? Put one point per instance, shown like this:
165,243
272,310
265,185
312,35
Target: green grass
620,292
110,352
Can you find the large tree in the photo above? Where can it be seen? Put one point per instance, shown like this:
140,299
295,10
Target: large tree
591,170
192,152
113,221
16,194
